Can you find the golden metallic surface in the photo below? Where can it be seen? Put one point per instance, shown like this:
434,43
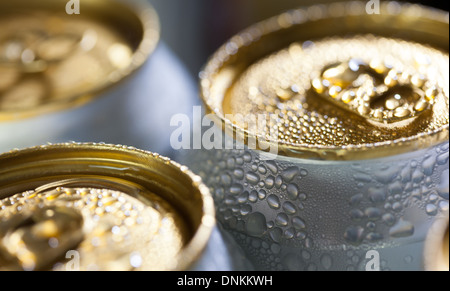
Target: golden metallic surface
50,60
118,208
437,246
445,253
343,84
347,103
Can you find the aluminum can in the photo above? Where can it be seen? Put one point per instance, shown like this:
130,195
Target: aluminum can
361,132
102,207
87,77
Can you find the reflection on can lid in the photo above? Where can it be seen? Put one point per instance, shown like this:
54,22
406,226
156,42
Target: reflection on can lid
117,208
50,60
340,86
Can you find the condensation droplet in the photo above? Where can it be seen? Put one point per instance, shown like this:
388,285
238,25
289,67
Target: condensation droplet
276,234
354,234
282,219
289,208
292,191
252,178
256,224
402,229
326,261
274,202
298,223
290,173
432,210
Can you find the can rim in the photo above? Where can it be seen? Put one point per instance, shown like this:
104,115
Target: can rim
272,25
148,18
195,247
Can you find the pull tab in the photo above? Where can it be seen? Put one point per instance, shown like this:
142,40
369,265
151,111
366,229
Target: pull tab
383,96
37,239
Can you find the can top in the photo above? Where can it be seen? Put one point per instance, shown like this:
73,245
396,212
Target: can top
108,207
340,83
51,60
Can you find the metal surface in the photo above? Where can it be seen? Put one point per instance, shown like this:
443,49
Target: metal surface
84,88
328,206
118,207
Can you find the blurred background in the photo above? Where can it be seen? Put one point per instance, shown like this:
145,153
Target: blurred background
194,29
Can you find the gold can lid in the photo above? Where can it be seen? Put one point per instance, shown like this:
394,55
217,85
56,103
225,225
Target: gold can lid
100,207
50,60
339,83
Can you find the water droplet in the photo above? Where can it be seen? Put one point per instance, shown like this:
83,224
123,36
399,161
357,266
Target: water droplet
298,223
272,167
236,189
356,200
247,157
373,214
396,188
290,173
252,178
356,214
377,195
306,255
397,207
443,206
386,176
282,219
274,202
256,224
428,165
432,210
262,194
417,176
238,174
230,200
326,261
253,197
246,210
292,191
289,208
278,182
402,229
442,159
289,233
389,219
243,198
276,234
275,248
433,196
231,163
354,234
360,177
302,197
262,169
374,237
270,182
226,180
300,235
443,187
